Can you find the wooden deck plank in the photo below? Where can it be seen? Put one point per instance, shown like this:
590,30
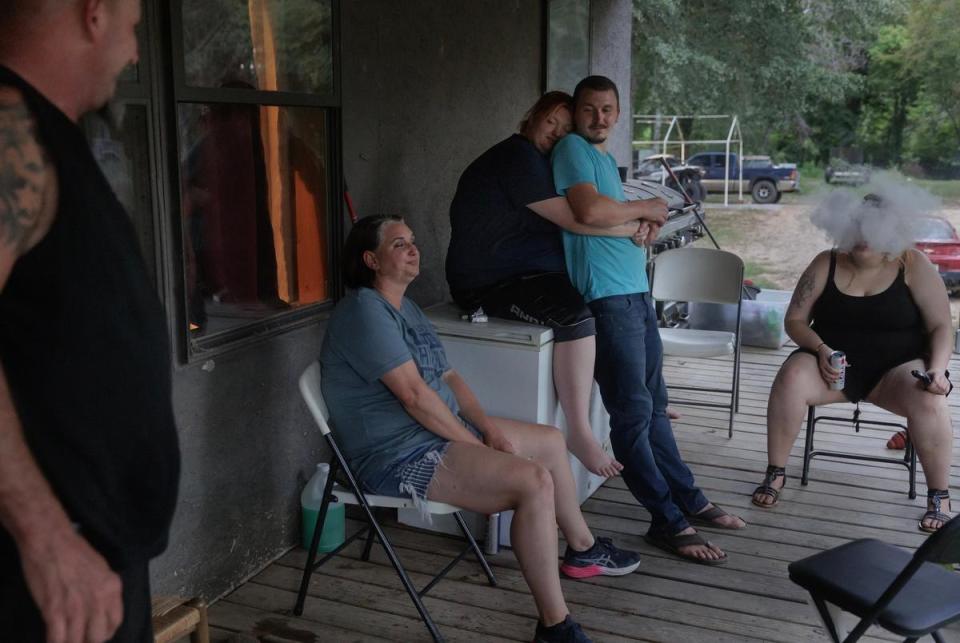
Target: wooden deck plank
260,621
667,599
510,602
591,603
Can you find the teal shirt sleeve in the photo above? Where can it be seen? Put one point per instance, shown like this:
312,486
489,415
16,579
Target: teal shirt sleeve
572,164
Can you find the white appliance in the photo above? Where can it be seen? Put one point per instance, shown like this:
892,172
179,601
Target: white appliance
509,366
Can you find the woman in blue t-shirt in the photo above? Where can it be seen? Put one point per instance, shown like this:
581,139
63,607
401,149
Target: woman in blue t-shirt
410,426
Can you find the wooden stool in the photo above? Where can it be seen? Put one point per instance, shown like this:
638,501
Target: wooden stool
174,617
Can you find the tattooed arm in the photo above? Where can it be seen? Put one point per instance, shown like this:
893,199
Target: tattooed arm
28,185
77,593
807,291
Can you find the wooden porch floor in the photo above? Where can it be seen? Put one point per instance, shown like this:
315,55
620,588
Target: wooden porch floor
749,599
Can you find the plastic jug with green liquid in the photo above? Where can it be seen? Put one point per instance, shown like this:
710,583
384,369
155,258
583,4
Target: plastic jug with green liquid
333,527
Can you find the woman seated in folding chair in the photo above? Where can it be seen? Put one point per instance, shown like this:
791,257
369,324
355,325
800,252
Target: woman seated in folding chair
883,304
410,426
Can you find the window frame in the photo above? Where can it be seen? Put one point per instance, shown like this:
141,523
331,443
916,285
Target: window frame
171,95
549,45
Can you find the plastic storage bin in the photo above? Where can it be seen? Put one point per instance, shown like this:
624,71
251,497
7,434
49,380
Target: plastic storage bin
761,322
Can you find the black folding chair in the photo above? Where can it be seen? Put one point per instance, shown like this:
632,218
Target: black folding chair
310,390
911,596
909,459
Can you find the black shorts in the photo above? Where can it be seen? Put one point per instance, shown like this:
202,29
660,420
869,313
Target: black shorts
546,298
859,381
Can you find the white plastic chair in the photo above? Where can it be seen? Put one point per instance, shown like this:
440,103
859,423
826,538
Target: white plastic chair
709,276
312,395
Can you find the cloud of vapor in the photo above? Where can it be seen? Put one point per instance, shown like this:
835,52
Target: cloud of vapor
885,221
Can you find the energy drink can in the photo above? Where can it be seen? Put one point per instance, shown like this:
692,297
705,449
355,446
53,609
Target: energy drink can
838,360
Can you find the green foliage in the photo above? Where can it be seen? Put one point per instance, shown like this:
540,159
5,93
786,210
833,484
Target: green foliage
769,61
891,87
931,138
934,52
810,79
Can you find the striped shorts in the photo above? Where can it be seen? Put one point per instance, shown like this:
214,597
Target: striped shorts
415,477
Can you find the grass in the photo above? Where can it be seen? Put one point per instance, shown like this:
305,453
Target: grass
752,271
946,190
730,231
812,185
727,230
810,173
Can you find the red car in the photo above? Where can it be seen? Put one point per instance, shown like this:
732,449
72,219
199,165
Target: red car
938,239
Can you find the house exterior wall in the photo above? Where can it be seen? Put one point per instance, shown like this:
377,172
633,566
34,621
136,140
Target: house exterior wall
427,86
247,446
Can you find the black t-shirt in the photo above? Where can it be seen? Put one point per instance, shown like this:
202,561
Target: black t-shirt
494,235
84,345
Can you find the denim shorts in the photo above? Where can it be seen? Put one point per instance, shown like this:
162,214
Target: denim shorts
410,477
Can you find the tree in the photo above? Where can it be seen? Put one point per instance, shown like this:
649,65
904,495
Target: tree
770,61
934,54
891,89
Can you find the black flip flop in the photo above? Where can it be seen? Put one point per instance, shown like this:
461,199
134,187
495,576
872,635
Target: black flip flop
708,518
672,544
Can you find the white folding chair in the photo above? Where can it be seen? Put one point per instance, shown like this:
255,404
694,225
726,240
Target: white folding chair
311,392
709,276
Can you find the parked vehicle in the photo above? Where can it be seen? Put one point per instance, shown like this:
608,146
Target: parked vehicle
842,172
650,168
937,238
765,181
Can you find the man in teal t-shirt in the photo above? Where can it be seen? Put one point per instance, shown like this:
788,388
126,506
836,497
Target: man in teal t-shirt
611,275
598,266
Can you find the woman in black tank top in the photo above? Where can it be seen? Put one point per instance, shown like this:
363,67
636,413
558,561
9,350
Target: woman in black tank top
890,316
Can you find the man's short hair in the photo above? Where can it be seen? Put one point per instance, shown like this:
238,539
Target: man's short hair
596,84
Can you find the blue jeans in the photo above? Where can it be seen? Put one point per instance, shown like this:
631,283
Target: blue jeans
630,374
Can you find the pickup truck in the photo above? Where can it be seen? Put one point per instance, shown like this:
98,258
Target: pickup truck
764,180
689,177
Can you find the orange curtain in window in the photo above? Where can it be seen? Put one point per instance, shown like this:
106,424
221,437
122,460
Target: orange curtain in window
310,199
297,213
265,58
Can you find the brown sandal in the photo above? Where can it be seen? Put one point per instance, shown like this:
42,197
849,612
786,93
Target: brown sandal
767,488
672,544
708,518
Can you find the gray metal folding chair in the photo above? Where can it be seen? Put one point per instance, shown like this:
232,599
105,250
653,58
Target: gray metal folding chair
310,390
709,276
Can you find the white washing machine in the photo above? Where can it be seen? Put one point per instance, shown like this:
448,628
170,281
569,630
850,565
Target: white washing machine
509,366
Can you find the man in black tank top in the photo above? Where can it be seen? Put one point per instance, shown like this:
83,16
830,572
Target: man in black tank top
89,461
